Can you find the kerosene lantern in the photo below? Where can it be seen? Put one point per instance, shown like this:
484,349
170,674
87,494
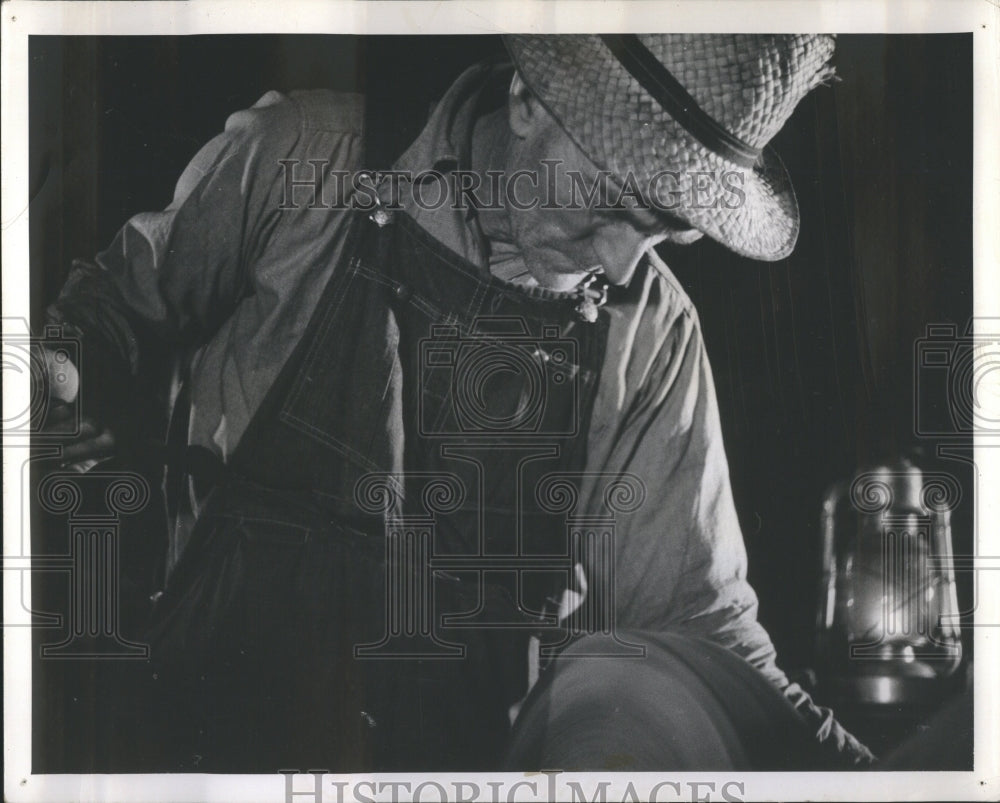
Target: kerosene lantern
887,622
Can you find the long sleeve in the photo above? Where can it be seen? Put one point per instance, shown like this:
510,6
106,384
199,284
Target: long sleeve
712,597
680,559
177,272
217,289
228,273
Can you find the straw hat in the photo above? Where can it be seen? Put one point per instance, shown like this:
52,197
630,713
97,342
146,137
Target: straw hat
700,106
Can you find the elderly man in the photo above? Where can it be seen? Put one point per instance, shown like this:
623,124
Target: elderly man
385,383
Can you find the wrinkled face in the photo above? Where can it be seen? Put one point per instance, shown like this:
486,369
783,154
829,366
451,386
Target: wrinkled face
573,225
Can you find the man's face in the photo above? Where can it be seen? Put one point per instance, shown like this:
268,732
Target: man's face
564,236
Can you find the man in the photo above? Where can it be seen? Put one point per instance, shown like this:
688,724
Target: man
401,401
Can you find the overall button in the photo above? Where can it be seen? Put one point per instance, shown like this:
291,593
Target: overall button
404,292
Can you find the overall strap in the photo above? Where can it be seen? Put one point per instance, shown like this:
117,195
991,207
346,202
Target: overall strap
247,457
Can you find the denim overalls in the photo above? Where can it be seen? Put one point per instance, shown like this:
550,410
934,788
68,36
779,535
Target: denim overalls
360,587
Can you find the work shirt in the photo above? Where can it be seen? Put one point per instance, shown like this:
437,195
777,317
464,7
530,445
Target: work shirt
230,273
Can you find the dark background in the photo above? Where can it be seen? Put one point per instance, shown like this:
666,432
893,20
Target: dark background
813,356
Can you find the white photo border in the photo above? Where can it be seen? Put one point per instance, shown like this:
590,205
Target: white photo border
123,17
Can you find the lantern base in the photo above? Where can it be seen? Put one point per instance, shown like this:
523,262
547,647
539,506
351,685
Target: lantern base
888,689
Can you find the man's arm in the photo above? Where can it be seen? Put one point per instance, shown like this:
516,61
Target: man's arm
170,279
681,559
148,285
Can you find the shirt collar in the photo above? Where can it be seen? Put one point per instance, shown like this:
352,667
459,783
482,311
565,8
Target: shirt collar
446,140
444,145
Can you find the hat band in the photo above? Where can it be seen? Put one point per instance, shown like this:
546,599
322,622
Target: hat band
658,81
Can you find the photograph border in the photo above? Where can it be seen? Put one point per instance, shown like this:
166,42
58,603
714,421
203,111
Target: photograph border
124,17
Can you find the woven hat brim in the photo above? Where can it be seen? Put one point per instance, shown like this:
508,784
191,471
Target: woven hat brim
752,211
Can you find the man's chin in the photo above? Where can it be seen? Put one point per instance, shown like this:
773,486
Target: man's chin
620,278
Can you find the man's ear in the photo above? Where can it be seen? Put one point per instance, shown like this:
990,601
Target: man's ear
525,114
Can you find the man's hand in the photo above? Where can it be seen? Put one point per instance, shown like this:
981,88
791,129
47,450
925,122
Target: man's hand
94,442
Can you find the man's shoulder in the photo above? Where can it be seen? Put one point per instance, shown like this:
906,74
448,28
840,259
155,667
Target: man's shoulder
303,110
